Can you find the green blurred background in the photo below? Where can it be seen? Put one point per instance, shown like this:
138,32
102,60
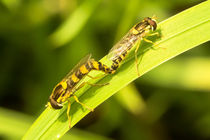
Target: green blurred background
41,40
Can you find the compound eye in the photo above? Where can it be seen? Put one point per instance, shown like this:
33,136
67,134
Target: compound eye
55,104
57,92
153,24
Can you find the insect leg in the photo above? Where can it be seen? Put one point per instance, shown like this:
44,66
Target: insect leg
152,34
68,115
84,83
84,105
148,41
136,56
154,44
97,77
95,65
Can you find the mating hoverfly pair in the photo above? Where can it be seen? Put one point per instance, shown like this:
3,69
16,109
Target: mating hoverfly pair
71,83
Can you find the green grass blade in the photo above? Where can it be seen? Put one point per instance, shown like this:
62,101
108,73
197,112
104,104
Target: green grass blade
74,23
15,124
180,33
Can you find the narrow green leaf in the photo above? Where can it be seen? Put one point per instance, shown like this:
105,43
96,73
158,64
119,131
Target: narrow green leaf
74,23
179,33
15,124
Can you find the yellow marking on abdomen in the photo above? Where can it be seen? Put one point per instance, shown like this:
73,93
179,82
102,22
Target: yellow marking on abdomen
95,65
64,84
74,78
83,69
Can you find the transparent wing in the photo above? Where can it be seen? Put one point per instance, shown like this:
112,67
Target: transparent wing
119,48
127,41
81,62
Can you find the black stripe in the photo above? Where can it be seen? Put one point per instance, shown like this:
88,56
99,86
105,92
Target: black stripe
138,25
115,61
143,24
114,67
142,32
124,54
88,66
71,83
91,65
119,59
57,92
103,68
63,94
108,70
79,74
100,66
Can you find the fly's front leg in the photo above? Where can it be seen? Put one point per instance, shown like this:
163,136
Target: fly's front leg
87,83
82,85
97,77
68,111
149,41
153,34
84,105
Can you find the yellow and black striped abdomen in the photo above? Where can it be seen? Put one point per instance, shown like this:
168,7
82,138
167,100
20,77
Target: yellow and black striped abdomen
95,65
118,60
78,75
66,87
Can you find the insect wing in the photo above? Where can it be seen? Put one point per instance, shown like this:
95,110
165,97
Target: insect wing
81,62
119,48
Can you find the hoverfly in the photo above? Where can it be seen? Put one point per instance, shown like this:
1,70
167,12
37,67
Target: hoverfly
135,35
71,83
